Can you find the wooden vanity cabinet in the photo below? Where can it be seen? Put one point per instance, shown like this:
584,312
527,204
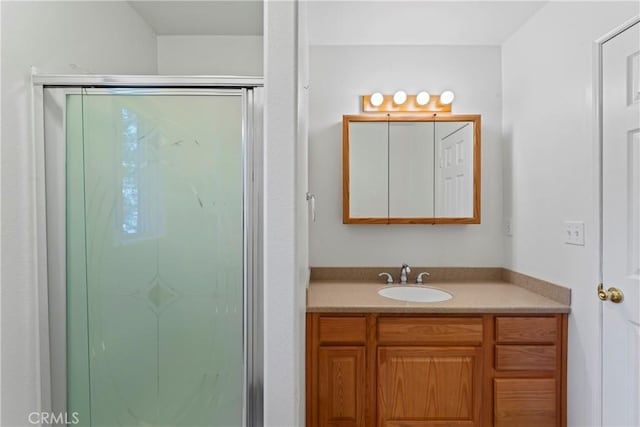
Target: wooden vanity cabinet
401,370
336,352
429,370
529,371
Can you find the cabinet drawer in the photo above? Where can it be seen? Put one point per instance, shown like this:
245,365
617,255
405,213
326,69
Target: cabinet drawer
342,330
526,329
525,403
415,330
526,357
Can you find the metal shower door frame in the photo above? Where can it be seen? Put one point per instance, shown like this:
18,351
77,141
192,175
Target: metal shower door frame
50,254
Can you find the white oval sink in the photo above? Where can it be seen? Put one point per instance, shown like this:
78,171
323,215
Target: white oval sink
414,293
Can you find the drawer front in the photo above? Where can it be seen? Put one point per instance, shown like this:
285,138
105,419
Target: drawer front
526,329
526,357
525,403
342,330
416,330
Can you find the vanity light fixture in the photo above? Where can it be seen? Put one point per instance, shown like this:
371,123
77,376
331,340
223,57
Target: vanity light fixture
446,97
400,102
422,98
376,99
399,97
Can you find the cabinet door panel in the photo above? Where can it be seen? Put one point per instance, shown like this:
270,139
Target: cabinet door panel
411,169
341,385
429,386
368,180
526,402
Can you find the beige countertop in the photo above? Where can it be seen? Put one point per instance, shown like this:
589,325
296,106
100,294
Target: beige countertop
468,297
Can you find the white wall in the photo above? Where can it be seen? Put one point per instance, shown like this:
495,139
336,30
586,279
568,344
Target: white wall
56,37
302,207
415,23
551,170
210,55
1,227
339,75
284,302
302,149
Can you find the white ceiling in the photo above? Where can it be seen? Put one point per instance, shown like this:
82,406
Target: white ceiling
354,22
418,22
213,17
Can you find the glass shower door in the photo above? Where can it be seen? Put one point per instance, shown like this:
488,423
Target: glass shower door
155,263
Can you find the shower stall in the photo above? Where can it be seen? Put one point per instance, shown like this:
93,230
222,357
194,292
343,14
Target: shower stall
149,253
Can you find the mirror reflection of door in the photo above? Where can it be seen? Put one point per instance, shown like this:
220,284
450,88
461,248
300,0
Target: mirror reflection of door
454,174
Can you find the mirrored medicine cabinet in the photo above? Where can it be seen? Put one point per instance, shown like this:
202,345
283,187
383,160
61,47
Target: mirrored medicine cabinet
411,169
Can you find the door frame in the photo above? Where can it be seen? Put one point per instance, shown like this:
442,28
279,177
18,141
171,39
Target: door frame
49,269
598,132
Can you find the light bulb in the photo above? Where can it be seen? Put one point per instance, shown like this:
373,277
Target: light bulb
376,99
446,97
399,97
422,98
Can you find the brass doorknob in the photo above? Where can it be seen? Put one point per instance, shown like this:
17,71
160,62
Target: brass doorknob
613,294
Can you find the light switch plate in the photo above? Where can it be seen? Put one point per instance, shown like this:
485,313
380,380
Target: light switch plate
574,233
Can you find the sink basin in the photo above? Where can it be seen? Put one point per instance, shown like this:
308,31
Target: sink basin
414,293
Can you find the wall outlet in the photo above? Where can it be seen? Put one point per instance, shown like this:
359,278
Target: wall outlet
574,233
508,227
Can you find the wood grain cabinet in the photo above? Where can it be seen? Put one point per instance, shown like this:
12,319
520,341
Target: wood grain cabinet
341,385
529,371
338,386
436,370
429,371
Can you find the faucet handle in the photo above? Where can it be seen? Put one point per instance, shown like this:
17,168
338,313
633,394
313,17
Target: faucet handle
389,277
404,273
419,278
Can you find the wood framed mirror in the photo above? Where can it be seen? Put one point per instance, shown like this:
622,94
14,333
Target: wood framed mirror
411,169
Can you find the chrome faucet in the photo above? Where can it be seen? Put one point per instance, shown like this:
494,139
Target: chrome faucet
404,273
388,276
419,278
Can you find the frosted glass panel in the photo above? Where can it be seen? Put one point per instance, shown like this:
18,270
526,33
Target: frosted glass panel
155,259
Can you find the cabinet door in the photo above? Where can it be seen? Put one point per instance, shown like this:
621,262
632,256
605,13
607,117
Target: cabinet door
411,169
368,166
341,386
429,386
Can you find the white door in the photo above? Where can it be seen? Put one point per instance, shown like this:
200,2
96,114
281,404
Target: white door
454,182
621,227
